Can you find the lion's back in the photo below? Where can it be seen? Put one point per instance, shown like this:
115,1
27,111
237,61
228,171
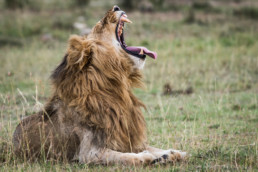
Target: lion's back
35,137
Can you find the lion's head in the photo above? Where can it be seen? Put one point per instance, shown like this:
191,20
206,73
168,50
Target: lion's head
111,29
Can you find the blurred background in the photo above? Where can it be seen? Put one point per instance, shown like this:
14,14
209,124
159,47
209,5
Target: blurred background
177,29
201,92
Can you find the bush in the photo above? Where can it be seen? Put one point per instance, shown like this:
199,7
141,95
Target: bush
81,2
127,4
248,12
157,3
201,5
13,4
35,5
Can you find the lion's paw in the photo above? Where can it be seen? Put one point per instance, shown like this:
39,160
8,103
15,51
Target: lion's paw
170,156
143,158
176,155
146,157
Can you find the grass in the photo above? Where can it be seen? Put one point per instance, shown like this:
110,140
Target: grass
216,55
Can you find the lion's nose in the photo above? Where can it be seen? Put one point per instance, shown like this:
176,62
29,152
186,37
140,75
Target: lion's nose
116,8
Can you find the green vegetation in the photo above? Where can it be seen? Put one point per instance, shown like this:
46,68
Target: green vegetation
215,54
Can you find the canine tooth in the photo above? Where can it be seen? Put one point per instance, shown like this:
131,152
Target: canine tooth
141,52
124,19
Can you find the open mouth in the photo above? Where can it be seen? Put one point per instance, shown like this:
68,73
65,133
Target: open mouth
140,52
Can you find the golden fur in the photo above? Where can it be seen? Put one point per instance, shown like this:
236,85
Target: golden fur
91,94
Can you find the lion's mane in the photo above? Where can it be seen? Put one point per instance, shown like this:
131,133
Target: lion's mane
94,83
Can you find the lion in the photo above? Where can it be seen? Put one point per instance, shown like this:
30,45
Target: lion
92,115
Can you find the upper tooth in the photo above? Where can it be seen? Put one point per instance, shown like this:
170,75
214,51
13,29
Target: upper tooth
125,19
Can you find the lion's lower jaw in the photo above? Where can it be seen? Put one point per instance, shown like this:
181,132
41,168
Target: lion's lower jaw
138,62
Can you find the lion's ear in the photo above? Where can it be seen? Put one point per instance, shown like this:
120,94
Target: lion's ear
79,51
75,42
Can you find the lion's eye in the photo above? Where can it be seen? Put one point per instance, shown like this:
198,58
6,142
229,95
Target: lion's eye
116,9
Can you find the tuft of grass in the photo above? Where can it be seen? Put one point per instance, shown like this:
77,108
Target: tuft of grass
236,39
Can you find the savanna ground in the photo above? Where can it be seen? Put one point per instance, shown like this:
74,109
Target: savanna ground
201,92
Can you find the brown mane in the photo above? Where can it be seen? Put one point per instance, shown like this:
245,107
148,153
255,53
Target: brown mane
96,81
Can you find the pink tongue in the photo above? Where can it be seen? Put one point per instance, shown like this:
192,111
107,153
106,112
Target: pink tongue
137,50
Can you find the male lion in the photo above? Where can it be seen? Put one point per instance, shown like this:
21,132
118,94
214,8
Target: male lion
92,114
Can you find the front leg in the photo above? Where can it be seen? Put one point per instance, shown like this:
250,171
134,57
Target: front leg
164,156
108,157
91,154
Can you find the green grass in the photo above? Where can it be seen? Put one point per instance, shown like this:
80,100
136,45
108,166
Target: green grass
216,55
